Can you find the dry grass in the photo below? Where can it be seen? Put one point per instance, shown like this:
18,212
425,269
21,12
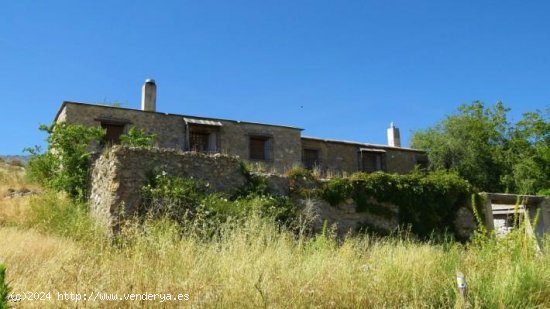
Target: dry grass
13,210
258,265
11,177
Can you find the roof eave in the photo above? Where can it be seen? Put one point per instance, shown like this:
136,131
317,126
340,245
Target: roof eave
358,144
176,115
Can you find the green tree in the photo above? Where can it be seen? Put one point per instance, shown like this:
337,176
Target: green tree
483,147
64,166
529,153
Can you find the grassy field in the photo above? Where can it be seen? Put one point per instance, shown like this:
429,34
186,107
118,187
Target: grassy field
48,244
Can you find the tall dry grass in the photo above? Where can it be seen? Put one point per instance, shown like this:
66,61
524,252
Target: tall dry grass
13,210
259,264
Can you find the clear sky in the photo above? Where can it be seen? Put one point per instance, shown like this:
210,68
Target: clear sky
338,69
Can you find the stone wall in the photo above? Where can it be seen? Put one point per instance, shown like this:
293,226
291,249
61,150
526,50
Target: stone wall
379,217
344,217
119,174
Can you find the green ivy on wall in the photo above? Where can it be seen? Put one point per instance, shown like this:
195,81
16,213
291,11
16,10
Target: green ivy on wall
427,202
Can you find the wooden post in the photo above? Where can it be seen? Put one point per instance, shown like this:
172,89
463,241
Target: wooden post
462,289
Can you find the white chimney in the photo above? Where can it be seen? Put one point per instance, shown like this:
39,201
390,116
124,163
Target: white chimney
149,96
393,136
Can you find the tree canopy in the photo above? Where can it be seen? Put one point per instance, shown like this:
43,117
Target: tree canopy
493,154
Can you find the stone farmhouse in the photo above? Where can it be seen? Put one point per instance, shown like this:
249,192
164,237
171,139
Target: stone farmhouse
277,147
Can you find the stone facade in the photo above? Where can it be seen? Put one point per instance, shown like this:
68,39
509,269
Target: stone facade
173,131
119,174
170,129
275,147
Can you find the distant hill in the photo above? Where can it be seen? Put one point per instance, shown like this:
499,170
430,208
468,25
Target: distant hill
15,158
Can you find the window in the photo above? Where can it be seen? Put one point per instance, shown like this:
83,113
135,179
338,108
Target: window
198,141
310,158
202,135
260,148
113,132
373,161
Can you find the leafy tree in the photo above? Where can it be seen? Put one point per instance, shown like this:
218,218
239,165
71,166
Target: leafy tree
483,147
64,166
529,153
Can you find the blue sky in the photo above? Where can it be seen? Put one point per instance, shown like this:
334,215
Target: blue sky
339,69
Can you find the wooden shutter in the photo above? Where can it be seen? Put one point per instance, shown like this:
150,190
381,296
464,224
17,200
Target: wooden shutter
113,132
373,162
369,162
198,141
311,158
268,149
212,142
257,148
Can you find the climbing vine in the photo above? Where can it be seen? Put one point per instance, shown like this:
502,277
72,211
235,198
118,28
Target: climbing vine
427,202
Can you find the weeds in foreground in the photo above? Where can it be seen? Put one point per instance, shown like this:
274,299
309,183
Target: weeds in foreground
256,262
55,213
4,288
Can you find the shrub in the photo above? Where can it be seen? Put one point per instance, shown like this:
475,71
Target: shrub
187,201
41,166
55,213
255,185
174,197
4,288
137,138
65,165
336,191
300,172
302,182
220,209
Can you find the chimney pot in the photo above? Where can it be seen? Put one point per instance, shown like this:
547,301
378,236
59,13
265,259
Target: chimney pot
149,96
394,138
